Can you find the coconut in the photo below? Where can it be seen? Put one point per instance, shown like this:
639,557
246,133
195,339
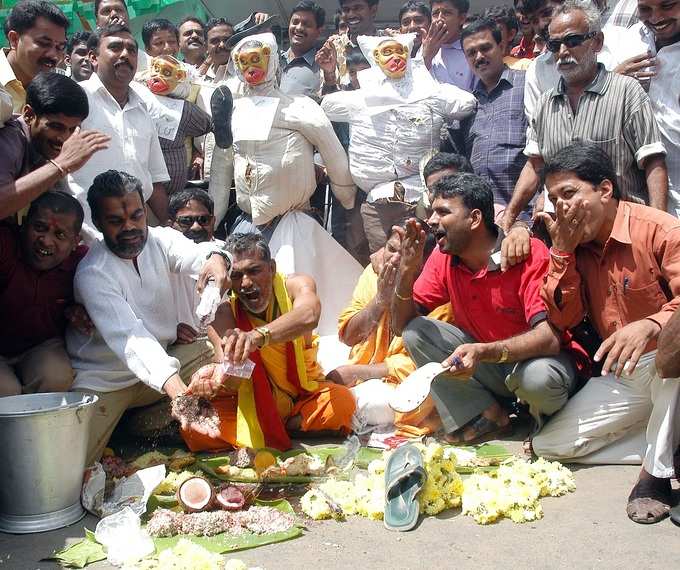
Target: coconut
230,498
196,494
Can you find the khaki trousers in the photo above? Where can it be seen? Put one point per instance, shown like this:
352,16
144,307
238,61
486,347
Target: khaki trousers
150,419
605,421
43,368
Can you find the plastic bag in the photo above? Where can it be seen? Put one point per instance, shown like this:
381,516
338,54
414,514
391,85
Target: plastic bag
373,408
207,307
123,537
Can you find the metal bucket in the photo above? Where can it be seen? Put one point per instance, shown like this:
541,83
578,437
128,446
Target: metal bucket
43,447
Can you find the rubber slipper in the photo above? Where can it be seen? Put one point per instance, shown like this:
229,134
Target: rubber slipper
404,478
645,494
675,514
222,107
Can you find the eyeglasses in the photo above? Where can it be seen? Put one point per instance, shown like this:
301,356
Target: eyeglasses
188,221
571,41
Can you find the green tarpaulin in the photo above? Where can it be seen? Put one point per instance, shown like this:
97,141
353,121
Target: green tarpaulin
81,12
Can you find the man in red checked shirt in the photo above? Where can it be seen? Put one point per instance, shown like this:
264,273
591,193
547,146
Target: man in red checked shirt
619,264
500,347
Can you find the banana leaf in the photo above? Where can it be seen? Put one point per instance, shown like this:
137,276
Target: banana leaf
80,554
88,550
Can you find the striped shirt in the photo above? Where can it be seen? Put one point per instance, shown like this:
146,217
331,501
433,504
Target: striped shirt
613,112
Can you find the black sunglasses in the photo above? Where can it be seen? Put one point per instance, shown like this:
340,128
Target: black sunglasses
571,41
188,221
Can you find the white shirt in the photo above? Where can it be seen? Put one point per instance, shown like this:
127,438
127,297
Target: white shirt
390,146
133,148
664,93
134,313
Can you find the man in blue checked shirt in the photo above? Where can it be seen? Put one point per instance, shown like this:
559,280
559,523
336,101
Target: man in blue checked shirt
494,138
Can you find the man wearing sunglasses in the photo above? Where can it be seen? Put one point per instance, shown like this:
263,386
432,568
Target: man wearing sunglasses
192,212
591,104
543,74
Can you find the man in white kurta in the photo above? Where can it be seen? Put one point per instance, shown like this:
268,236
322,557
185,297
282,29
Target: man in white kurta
395,122
124,284
134,145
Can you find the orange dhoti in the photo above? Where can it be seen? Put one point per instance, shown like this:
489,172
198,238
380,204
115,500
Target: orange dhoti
287,382
382,347
330,408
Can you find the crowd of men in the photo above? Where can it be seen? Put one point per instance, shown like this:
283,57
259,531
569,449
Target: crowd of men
509,182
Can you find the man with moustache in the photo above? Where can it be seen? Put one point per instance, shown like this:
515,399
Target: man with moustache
37,265
124,284
192,41
192,213
270,320
618,264
36,35
117,109
592,104
78,56
499,347
217,34
300,73
493,139
110,12
39,148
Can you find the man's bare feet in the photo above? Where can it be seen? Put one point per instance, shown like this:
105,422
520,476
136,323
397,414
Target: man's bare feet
650,499
493,423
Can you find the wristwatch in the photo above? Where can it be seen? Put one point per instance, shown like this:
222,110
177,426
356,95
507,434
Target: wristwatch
225,254
505,353
266,335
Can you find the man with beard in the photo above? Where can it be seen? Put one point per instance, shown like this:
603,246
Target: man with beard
37,265
593,105
500,346
442,52
617,263
116,108
300,73
36,35
270,321
493,139
124,284
192,213
78,56
192,41
39,148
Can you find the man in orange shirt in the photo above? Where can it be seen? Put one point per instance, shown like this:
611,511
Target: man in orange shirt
619,264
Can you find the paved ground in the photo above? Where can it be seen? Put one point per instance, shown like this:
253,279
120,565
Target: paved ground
586,529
